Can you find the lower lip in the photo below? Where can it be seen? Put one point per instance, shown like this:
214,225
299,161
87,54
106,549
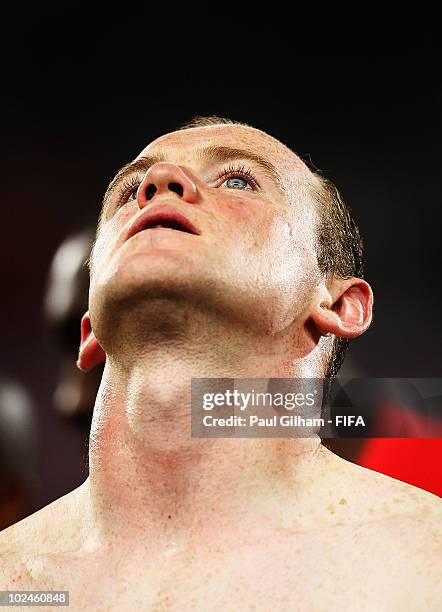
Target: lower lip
161,237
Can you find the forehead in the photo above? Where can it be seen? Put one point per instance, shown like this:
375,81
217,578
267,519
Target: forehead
182,143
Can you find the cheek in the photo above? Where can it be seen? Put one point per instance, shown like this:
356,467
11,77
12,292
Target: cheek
283,249
123,214
110,231
268,231
255,221
265,230
239,211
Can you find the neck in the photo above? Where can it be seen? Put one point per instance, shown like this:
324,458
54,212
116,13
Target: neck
151,482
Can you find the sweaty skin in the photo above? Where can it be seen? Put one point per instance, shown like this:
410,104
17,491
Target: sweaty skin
170,522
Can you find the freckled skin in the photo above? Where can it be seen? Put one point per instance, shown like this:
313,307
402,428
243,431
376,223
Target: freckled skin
170,522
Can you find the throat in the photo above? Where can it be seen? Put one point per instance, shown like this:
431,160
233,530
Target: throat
145,465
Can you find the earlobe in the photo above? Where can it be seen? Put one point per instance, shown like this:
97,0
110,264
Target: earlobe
90,353
346,310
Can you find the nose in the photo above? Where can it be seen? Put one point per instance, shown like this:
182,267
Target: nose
164,177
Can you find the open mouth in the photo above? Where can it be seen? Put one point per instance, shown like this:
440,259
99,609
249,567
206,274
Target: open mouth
168,224
166,218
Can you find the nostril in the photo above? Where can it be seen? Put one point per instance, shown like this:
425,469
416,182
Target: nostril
150,191
177,188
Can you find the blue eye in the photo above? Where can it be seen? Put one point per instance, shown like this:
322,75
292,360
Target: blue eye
238,178
236,183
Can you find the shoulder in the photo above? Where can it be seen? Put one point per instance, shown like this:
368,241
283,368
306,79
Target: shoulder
386,496
395,532
377,495
403,515
52,529
400,513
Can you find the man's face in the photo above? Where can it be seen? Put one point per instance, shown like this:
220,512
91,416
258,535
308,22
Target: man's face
252,258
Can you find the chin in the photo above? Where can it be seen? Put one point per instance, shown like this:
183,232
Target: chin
161,284
141,281
143,269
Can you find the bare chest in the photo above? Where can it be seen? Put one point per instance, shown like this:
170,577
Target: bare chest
319,570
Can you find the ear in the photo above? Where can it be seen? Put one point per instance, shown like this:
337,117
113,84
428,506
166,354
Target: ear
90,353
344,308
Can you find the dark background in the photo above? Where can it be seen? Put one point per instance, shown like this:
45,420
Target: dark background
83,92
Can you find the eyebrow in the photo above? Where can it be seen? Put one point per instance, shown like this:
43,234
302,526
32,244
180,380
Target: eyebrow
212,153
